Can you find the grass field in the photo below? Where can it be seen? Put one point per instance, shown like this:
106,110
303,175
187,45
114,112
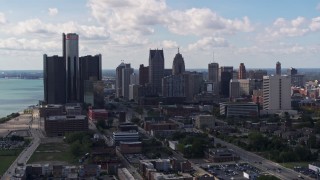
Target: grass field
6,159
53,152
291,165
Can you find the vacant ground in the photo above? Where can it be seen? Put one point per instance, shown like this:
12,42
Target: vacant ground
6,159
53,152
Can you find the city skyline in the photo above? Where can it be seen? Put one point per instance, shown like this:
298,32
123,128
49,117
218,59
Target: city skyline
236,32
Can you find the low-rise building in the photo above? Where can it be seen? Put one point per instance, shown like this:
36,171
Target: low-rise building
239,109
124,174
118,137
204,121
60,125
130,147
97,114
221,155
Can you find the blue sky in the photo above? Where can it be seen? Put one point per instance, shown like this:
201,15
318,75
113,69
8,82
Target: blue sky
257,33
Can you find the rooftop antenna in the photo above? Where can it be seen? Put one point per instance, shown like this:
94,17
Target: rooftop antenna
178,50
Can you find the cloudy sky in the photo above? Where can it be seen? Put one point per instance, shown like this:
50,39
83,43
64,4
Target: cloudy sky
256,32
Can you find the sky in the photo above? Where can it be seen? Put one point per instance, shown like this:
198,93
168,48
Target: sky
257,33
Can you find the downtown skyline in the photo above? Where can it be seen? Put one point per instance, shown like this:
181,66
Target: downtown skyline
256,33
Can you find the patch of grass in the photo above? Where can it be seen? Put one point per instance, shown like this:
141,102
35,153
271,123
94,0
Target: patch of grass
6,159
6,162
53,152
291,165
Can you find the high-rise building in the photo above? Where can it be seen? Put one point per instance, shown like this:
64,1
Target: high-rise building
193,83
213,76
234,89
276,92
94,93
226,73
72,63
178,64
257,74
278,68
119,79
89,69
143,75
173,86
292,71
242,74
134,78
126,73
156,69
54,79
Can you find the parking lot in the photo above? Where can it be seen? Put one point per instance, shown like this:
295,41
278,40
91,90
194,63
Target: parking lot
134,158
306,171
232,171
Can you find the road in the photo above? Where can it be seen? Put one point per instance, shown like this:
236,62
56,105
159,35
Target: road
25,155
265,165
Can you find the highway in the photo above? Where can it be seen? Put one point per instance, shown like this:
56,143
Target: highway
262,163
25,155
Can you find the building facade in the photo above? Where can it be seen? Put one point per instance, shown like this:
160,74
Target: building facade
156,69
242,73
276,92
54,79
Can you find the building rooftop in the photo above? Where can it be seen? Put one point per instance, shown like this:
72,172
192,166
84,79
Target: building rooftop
82,117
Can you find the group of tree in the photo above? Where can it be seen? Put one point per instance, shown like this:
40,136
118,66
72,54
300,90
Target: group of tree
104,124
275,149
80,143
10,116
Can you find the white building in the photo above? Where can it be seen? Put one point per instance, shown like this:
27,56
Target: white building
234,89
276,92
126,77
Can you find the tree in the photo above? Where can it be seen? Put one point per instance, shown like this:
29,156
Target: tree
76,149
110,121
101,123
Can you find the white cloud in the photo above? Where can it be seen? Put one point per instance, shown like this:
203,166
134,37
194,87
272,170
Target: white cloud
204,22
208,43
28,44
3,19
53,11
315,24
169,44
36,26
142,16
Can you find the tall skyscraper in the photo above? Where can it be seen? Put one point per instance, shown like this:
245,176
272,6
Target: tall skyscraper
72,60
119,79
277,92
242,74
178,64
226,73
278,68
89,69
234,89
156,69
126,73
292,71
213,76
54,79
65,77
143,75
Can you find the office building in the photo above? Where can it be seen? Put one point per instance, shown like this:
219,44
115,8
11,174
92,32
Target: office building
257,74
234,89
156,69
278,68
118,137
126,74
193,83
54,79
173,86
89,69
143,75
239,109
72,64
204,121
213,76
178,64
134,92
242,73
276,92
94,93
61,125
134,78
292,71
226,73
119,79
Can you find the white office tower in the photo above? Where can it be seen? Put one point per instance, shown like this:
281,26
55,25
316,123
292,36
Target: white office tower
126,72
276,92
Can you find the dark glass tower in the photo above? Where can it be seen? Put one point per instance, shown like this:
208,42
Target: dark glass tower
156,69
178,64
89,69
54,79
